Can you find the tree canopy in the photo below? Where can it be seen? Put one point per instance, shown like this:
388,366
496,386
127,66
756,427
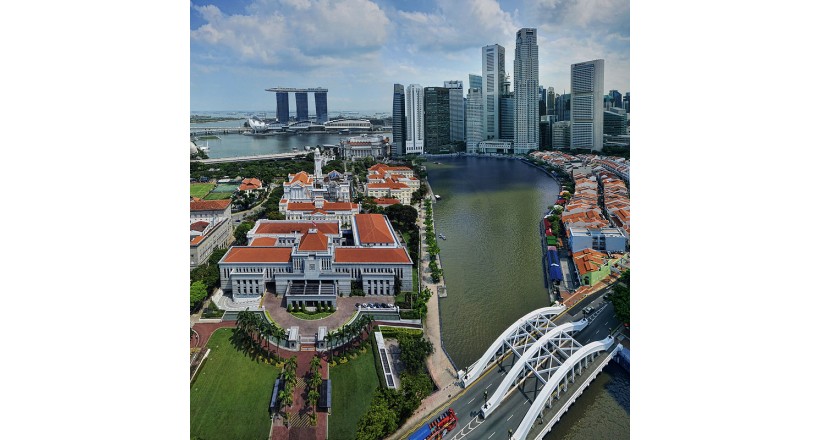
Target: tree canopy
198,293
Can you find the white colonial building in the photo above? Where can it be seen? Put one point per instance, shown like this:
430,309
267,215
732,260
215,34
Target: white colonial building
317,196
211,228
311,262
391,182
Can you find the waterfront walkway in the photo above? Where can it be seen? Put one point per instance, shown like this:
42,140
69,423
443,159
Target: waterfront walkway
442,370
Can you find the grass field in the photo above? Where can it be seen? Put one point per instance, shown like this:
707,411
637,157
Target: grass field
200,190
231,394
218,196
353,386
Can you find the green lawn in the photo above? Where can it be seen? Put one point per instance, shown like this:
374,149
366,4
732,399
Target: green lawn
353,386
318,315
218,196
231,394
200,190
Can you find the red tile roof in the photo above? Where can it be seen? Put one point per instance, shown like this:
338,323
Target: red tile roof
264,241
373,228
210,205
199,226
301,176
588,260
197,239
371,255
328,206
386,201
258,255
313,242
250,184
280,227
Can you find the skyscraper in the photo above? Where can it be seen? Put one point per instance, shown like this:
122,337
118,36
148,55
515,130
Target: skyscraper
550,101
436,118
492,62
525,72
475,81
587,111
563,105
506,111
399,122
456,89
617,99
282,107
414,115
474,119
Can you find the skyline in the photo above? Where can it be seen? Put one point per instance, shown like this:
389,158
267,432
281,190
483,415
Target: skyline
239,50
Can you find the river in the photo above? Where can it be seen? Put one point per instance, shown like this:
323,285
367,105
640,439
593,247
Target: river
489,212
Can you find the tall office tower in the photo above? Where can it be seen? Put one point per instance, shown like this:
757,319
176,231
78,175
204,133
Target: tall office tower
506,106
560,134
320,99
474,117
301,106
492,62
587,113
414,115
626,102
550,101
436,118
282,107
456,89
545,132
526,91
542,101
617,99
464,110
399,123
615,122
475,81
563,106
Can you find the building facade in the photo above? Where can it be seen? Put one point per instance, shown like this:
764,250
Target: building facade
615,123
312,262
587,112
495,147
456,89
399,122
506,110
211,228
493,70
561,134
563,107
360,147
391,182
474,118
414,116
526,90
602,240
436,118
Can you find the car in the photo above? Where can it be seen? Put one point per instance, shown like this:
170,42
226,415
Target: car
390,306
357,305
370,305
383,305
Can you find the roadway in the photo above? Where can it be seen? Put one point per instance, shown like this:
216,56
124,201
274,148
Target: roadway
511,411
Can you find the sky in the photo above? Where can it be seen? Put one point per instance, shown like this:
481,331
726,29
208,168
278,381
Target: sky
358,49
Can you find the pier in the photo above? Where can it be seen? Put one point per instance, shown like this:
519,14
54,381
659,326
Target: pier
276,156
202,131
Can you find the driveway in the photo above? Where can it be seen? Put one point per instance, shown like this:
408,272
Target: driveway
345,309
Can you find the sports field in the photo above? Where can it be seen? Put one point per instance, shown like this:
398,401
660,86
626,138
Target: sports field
231,394
218,196
200,190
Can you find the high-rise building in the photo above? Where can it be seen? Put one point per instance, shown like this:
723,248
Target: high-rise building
561,134
626,102
301,106
320,99
506,107
563,105
474,119
456,89
525,73
587,113
545,132
414,115
475,81
399,122
617,99
492,67
436,118
550,101
282,107
615,122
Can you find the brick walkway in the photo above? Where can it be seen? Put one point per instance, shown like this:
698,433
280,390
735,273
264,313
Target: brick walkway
299,412
206,330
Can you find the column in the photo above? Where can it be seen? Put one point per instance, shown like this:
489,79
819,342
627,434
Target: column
320,99
282,107
301,106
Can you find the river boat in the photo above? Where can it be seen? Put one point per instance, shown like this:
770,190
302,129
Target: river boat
438,197
442,236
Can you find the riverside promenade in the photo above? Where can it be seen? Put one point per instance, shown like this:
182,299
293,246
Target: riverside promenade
441,368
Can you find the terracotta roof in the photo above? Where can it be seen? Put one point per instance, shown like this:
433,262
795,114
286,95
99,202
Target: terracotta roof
285,227
301,176
371,255
197,239
328,206
301,206
373,228
257,255
264,241
210,205
386,201
588,260
313,242
199,226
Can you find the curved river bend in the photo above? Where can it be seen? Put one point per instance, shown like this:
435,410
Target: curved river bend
489,212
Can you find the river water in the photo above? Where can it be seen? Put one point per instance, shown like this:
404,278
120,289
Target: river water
489,212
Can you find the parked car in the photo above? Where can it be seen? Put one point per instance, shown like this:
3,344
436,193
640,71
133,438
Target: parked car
357,305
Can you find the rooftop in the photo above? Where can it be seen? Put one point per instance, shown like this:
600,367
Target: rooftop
241,254
280,227
210,205
371,255
373,228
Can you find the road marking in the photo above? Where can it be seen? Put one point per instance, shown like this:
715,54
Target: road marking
511,416
471,401
491,436
596,331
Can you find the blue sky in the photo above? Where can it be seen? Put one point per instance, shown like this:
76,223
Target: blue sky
359,48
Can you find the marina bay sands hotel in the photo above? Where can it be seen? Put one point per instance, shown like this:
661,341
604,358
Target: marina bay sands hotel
283,103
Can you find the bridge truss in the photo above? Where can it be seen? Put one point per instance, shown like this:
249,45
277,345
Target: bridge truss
515,340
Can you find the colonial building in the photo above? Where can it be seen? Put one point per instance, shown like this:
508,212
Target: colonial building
318,197
360,147
211,228
311,262
391,182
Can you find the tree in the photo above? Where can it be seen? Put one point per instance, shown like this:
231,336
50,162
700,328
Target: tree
620,301
241,233
414,350
198,293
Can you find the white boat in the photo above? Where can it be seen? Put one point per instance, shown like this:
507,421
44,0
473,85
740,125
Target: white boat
438,197
442,236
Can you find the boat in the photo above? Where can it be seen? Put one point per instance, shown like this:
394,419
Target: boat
442,236
438,197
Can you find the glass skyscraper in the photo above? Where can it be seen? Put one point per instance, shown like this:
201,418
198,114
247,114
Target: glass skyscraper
399,122
525,72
